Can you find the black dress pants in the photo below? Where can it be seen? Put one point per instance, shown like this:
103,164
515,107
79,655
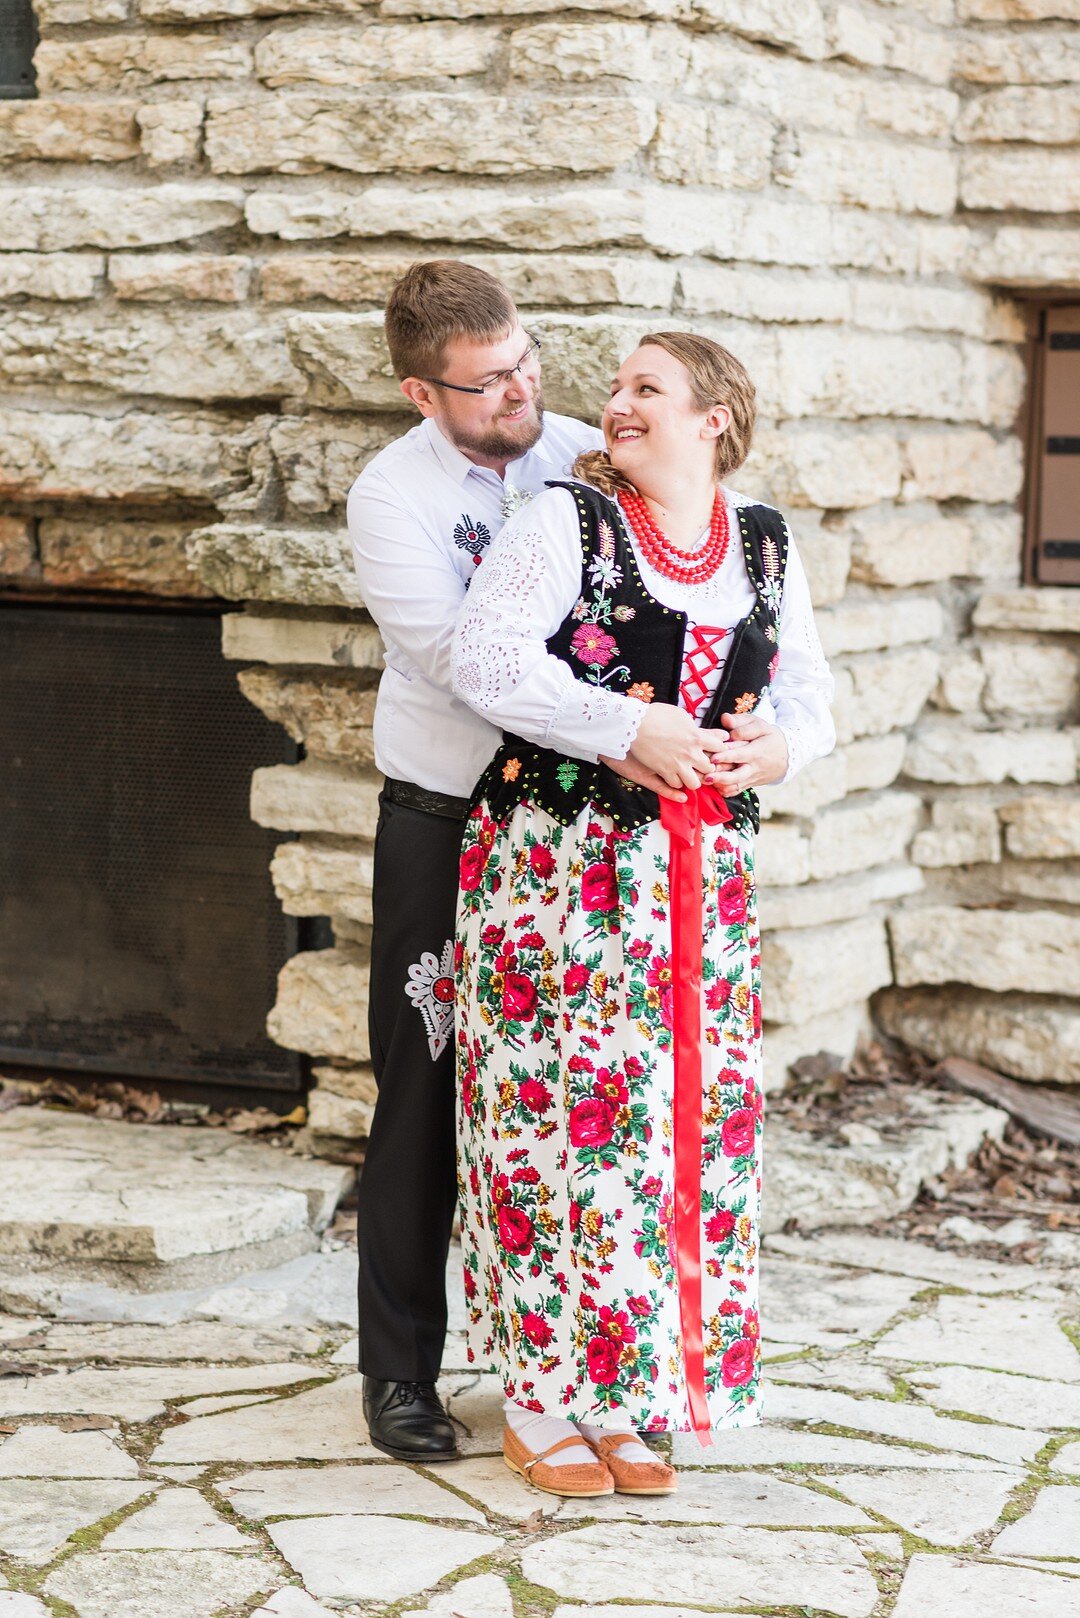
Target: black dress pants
408,1185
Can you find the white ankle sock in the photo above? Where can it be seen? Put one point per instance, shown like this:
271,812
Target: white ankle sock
631,1448
539,1432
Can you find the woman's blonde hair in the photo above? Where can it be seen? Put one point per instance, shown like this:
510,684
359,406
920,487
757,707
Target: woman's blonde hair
716,377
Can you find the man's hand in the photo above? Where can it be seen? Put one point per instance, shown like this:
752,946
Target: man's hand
631,770
668,744
755,755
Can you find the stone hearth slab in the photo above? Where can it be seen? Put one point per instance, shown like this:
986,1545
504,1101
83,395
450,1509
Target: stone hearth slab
153,1203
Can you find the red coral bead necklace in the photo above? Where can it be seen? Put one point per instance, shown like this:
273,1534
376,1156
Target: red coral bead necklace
684,567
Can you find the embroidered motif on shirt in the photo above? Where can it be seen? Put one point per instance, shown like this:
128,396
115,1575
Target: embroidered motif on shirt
431,990
474,537
699,662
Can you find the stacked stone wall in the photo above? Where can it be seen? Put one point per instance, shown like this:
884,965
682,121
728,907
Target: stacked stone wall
202,214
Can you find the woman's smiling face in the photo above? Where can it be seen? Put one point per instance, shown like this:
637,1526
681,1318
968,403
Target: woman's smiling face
652,415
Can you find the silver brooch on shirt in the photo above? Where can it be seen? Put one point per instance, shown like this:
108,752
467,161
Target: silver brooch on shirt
513,499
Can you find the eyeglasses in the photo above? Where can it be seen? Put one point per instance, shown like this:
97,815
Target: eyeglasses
496,380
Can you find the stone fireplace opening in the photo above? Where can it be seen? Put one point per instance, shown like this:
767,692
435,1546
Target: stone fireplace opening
139,931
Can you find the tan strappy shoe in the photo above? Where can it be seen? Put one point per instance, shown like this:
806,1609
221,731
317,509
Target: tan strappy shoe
635,1477
580,1482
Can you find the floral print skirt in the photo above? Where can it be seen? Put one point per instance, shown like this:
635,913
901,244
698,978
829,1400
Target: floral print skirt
566,1081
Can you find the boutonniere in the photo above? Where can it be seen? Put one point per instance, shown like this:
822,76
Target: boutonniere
513,499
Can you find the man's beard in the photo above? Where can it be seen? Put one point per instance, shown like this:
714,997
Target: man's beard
502,440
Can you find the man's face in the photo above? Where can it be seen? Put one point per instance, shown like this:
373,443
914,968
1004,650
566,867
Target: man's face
508,418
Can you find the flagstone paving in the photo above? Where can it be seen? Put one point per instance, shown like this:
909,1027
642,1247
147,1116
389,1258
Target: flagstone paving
202,1454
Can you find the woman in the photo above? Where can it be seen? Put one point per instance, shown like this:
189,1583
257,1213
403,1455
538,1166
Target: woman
622,631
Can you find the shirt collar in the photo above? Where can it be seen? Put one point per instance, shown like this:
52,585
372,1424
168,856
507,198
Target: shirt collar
457,465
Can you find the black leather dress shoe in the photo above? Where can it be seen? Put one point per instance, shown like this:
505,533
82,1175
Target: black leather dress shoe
406,1421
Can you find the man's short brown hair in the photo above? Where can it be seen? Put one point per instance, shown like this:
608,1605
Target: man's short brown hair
436,302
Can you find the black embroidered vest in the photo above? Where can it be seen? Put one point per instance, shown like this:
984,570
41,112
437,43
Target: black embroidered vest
620,638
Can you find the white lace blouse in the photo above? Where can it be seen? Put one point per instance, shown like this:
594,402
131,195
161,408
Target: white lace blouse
530,582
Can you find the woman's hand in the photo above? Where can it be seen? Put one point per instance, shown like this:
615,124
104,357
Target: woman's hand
755,755
671,747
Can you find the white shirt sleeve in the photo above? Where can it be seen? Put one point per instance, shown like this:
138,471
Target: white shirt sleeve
802,688
529,582
410,586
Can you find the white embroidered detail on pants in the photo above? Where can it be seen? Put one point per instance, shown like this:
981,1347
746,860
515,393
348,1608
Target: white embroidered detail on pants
431,990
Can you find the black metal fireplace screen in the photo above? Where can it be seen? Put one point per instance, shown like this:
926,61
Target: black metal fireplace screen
139,932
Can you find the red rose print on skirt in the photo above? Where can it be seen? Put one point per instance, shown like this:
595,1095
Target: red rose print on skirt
737,1364
737,1133
599,888
591,1122
515,1229
472,867
519,997
731,902
602,1356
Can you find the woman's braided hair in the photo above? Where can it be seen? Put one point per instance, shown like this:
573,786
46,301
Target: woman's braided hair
716,377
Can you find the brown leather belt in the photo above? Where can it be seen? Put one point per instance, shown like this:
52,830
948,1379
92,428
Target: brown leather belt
410,796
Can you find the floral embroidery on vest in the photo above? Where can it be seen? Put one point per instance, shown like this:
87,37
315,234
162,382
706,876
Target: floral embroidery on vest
592,644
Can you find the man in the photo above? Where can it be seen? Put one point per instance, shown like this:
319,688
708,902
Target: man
421,516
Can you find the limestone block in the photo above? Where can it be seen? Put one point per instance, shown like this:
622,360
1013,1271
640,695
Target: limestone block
873,625
131,61
149,557
319,456
1027,258
66,277
843,705
1031,181
68,131
338,1117
755,294
996,544
71,455
961,464
845,373
863,832
1034,951
262,636
1045,610
357,1083
533,220
827,467
582,52
60,13
306,567
504,8
874,763
1044,117
316,796
1043,56
796,25
865,173
826,557
878,41
582,354
782,855
1024,677
223,10
1018,10
330,713
955,754
1041,827
350,57
842,899
320,876
962,831
346,361
1056,880
186,277
811,970
170,132
838,1032
178,353
45,218
322,1004
824,781
890,690
297,133
548,279
702,145
889,307
18,553
917,545
910,110
960,686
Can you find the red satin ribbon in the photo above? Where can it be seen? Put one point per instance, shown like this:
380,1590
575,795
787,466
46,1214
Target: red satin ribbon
683,823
